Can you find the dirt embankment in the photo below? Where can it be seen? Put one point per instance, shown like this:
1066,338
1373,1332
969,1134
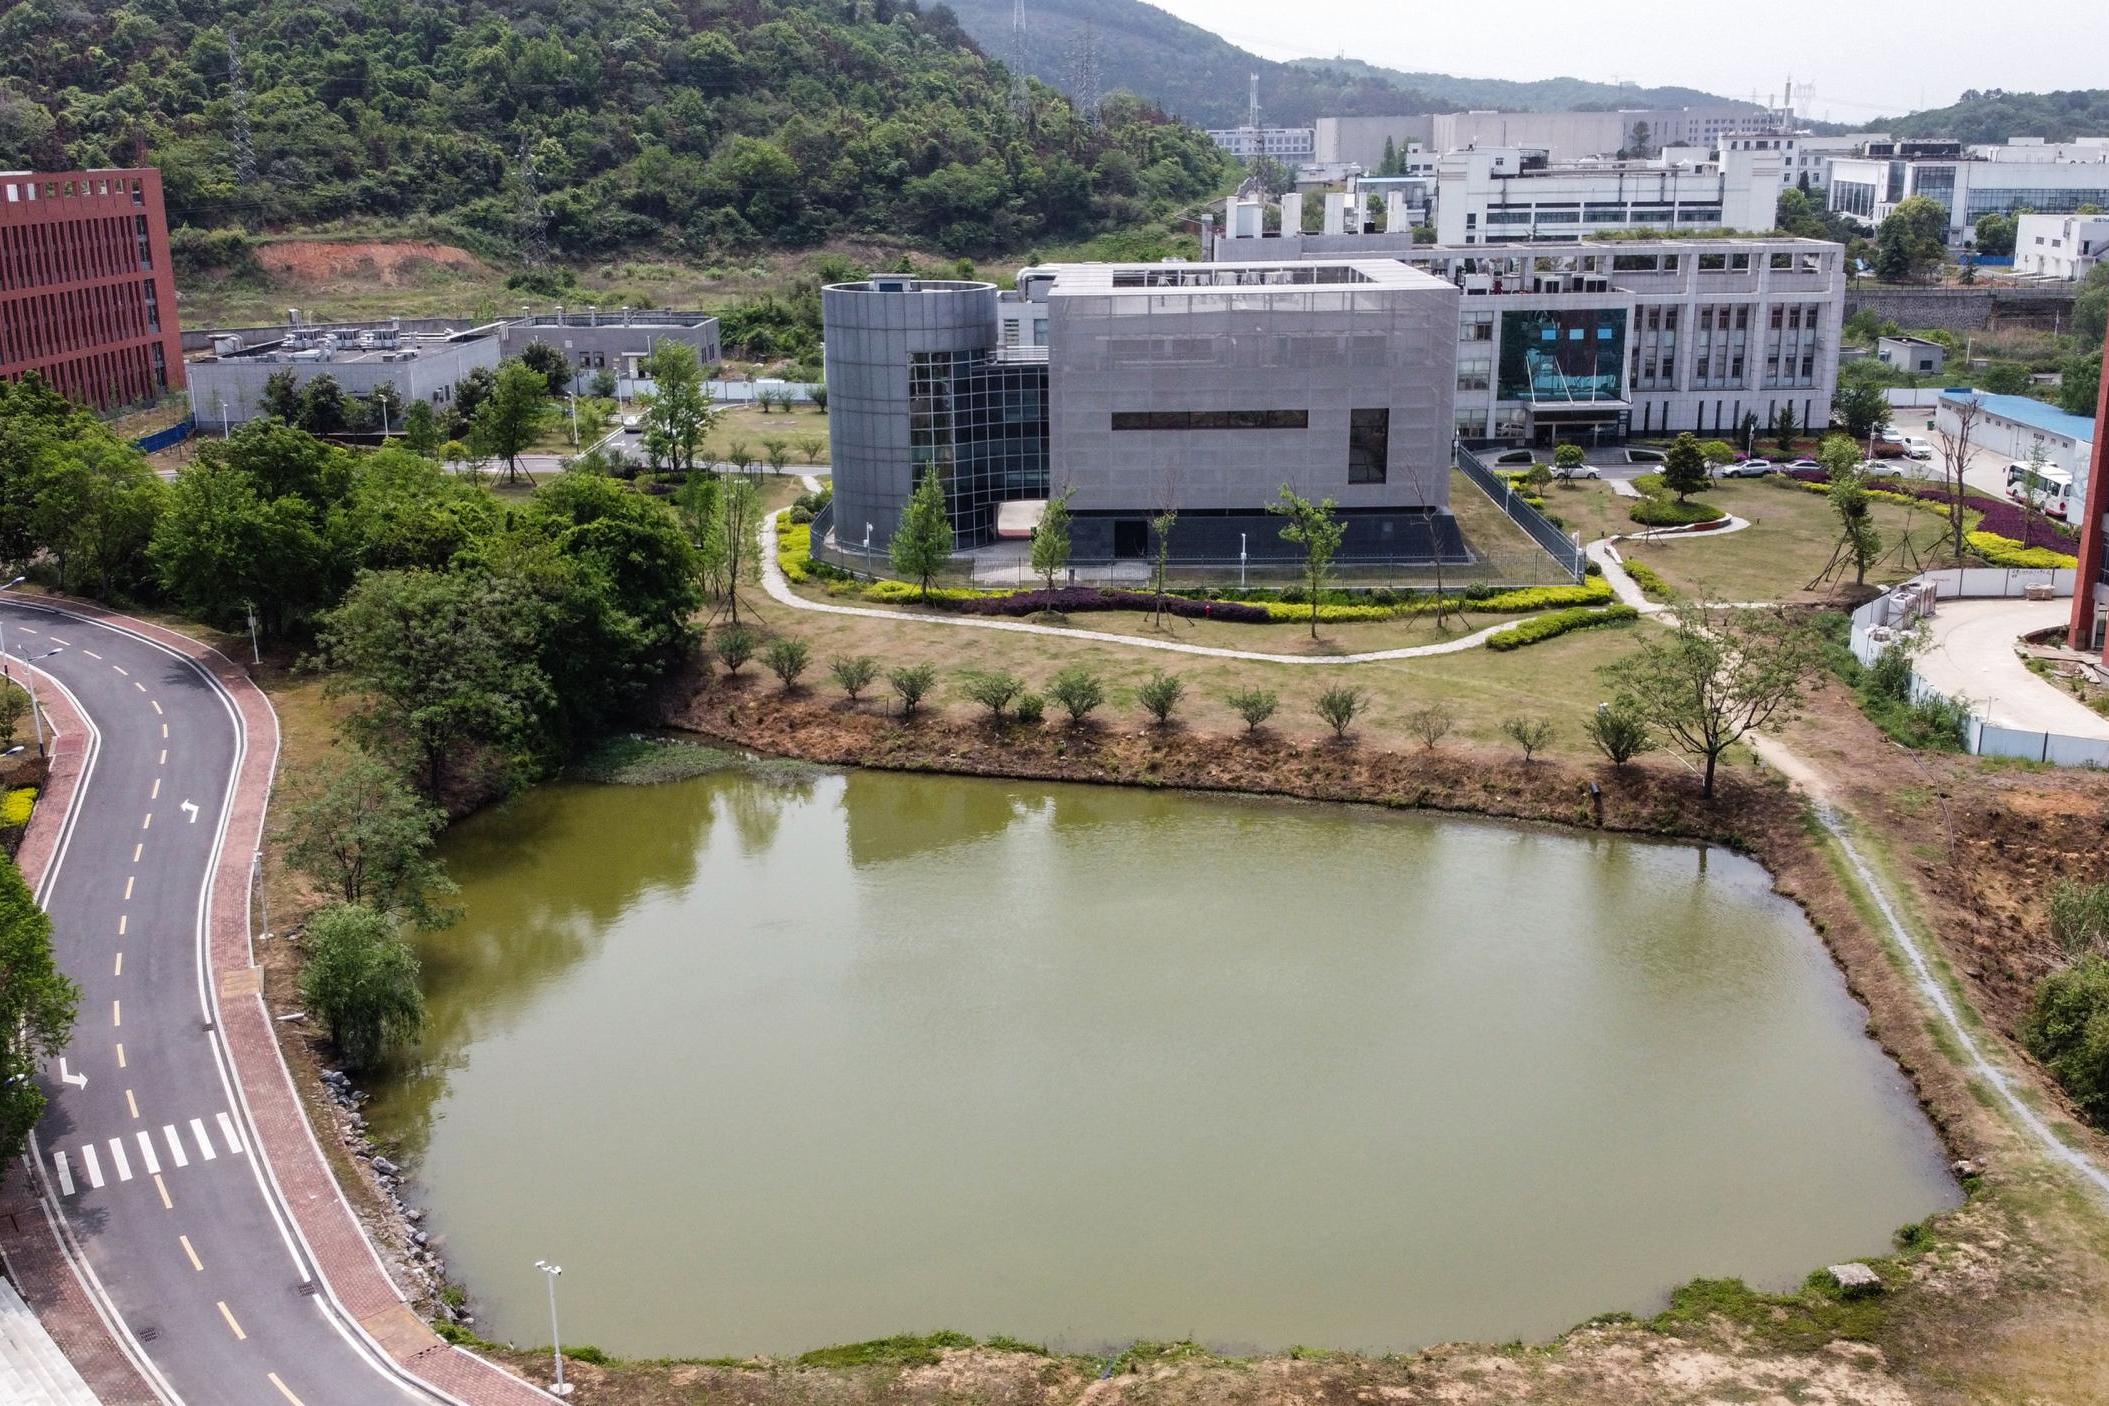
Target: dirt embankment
390,263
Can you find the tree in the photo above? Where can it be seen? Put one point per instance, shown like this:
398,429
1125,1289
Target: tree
1640,142
1568,458
739,513
787,659
2069,1031
1913,240
1050,545
322,406
2090,309
437,664
221,546
1079,691
549,364
14,705
810,448
740,455
1956,441
1995,234
922,544
1431,724
1340,706
853,673
421,429
281,396
1619,732
734,646
1530,734
512,416
1862,409
37,1007
1684,466
361,982
604,385
367,839
1719,673
912,683
993,690
1861,539
1785,428
2080,388
1161,562
1319,531
1159,695
680,415
1254,706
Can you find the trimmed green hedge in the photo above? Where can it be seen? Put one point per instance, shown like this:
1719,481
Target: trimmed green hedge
1540,628
1594,591
15,809
1649,580
794,548
1668,512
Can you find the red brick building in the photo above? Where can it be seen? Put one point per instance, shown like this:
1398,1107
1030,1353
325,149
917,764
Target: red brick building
2090,592
87,299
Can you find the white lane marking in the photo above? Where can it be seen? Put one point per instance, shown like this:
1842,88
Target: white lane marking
58,1164
175,1145
155,794
116,1014
119,1160
120,965
197,1130
164,728
136,683
191,808
120,1056
148,823
122,920
195,1262
128,882
162,1187
131,1103
228,1314
93,1164
284,1390
136,850
156,702
164,758
27,630
234,1143
118,667
146,1154
56,640
93,655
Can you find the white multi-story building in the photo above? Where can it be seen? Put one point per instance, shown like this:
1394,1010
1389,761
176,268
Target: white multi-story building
2060,246
1289,144
1570,136
1510,195
1968,185
2082,149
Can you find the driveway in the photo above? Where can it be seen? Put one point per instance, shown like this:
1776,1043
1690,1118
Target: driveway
1971,655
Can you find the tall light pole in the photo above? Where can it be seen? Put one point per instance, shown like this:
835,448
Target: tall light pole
551,1271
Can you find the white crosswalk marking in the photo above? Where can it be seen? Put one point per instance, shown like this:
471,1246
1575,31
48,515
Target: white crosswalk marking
234,1142
175,1145
58,1164
146,1154
197,1130
95,1168
119,1160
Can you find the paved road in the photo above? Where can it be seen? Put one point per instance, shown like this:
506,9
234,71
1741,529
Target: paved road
1970,654
150,1161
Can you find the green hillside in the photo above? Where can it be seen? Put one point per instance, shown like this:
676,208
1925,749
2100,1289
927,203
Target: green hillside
694,124
1995,115
1203,77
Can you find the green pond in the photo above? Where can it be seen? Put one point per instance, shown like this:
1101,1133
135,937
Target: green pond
769,1064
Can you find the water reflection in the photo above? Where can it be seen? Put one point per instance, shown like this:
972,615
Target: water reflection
768,1067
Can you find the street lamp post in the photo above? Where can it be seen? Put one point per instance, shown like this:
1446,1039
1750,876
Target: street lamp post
867,549
551,1271
1241,561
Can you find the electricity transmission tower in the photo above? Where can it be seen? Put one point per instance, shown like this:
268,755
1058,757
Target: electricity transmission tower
534,220
1021,98
1084,76
238,101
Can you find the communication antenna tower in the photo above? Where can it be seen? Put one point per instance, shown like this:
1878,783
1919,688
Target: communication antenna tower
1252,109
238,100
534,220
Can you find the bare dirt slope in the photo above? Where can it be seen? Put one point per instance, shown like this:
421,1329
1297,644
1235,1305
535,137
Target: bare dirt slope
390,263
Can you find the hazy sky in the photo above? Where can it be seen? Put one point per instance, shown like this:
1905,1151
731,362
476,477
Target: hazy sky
1860,70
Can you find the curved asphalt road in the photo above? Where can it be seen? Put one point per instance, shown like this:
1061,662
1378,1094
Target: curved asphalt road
149,1161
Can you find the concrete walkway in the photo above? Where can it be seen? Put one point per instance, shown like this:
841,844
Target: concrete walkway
780,591
1970,655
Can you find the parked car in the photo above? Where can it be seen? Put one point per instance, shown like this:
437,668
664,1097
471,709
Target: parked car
1792,464
1917,448
1577,471
1745,468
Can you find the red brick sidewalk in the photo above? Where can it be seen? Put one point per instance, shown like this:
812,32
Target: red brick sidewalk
347,1264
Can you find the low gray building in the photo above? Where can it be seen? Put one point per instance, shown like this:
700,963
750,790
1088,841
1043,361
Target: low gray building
1918,355
227,387
593,340
1134,387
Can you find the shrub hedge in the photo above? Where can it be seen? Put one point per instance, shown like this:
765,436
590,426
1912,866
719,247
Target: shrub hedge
1382,605
2005,551
15,809
1668,512
1559,622
1649,580
794,548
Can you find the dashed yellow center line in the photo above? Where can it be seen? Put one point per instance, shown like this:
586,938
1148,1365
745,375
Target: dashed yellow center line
116,1014
284,1390
120,1056
228,1314
195,1262
162,1187
131,1103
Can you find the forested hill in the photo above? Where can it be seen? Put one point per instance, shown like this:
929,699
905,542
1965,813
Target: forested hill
702,123
1203,77
1995,115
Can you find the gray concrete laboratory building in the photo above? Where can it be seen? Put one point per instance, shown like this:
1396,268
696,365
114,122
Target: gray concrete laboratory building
1137,387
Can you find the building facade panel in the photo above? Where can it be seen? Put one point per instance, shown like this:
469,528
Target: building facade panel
87,299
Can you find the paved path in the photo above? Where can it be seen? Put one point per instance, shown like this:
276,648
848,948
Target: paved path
181,1180
780,590
1970,655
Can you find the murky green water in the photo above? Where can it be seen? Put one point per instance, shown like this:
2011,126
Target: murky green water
768,1067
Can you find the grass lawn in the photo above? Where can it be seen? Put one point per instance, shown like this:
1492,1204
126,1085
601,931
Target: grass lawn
1792,537
746,424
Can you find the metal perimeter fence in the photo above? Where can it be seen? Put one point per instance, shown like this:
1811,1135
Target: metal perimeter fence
1561,563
